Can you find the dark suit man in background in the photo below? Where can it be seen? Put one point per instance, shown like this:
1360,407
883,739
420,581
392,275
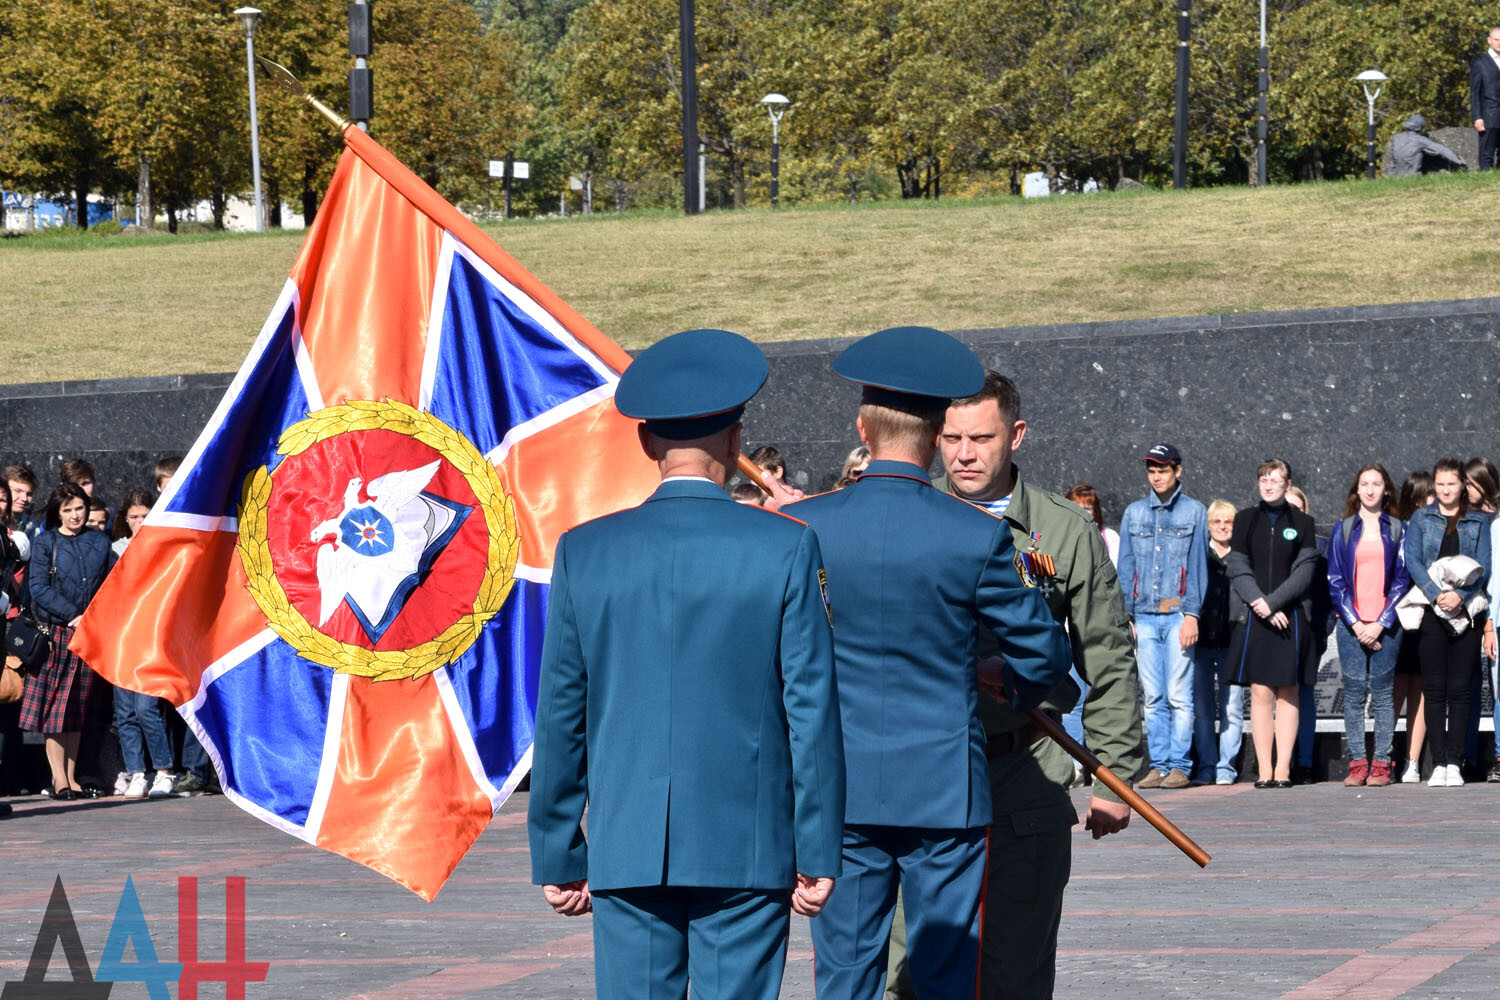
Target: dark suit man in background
913,573
1484,99
687,697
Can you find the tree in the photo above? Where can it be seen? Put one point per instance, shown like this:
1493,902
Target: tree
1425,50
444,97
48,105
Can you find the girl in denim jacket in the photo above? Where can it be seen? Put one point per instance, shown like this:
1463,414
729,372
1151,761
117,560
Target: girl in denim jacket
1448,657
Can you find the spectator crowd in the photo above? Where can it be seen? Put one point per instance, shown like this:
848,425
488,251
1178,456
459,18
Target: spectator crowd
1231,611
56,548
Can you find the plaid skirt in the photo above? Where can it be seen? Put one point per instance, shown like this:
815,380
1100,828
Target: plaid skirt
57,696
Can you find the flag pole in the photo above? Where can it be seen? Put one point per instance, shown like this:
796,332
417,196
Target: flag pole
288,81
1044,722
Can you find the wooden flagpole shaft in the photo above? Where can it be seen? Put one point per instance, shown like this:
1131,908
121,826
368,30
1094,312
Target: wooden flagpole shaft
1112,781
1044,722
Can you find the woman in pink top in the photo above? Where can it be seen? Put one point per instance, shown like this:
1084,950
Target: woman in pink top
1366,577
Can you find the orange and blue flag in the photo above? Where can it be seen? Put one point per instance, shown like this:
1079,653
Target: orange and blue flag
344,586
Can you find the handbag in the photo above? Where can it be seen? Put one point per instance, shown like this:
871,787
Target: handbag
27,641
12,682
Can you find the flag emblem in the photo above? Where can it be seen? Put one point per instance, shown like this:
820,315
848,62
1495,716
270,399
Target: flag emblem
339,568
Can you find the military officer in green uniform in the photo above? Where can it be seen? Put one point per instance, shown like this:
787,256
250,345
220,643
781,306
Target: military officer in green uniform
1029,843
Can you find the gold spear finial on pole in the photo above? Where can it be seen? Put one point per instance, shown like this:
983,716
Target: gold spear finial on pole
288,81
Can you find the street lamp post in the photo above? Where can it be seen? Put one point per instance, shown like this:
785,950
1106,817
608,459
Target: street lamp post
692,187
775,107
1262,84
1366,79
248,17
1180,120
361,103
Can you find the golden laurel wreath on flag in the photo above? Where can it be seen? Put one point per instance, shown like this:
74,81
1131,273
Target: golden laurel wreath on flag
500,564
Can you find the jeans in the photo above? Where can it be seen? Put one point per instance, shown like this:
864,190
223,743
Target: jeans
139,723
1073,721
1494,687
1215,750
1368,673
195,758
1166,689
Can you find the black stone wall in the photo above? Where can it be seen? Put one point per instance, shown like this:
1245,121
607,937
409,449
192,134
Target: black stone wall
1326,389
120,426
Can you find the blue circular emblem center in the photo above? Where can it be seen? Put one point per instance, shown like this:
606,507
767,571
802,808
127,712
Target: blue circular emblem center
367,532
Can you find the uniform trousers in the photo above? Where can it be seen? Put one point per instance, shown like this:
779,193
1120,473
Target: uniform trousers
651,942
1030,857
941,875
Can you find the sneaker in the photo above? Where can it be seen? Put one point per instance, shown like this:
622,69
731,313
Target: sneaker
1455,778
1380,773
188,785
1412,774
135,787
122,782
1176,779
162,785
1439,777
1221,780
1153,779
1494,774
1359,770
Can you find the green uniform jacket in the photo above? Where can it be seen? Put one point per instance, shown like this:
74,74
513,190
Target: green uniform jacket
1084,596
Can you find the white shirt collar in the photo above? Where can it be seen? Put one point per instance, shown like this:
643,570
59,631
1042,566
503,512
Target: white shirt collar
690,479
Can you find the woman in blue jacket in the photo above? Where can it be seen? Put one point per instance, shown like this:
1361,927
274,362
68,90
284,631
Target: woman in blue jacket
68,563
1447,527
1366,578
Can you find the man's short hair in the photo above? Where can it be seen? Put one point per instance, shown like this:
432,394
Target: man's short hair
1271,465
768,457
1002,390
19,474
903,430
75,469
746,492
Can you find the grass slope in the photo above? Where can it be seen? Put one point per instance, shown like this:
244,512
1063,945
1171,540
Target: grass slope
87,307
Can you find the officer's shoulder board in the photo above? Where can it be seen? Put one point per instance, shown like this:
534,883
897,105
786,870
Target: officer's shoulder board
1073,509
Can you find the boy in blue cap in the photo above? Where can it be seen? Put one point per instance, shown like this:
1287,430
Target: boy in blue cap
709,757
912,573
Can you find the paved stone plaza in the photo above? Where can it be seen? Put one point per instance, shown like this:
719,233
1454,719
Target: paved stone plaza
1314,892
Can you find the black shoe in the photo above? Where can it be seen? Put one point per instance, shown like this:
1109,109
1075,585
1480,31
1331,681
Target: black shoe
1266,784
5,809
91,791
1301,776
1494,774
1281,784
63,795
